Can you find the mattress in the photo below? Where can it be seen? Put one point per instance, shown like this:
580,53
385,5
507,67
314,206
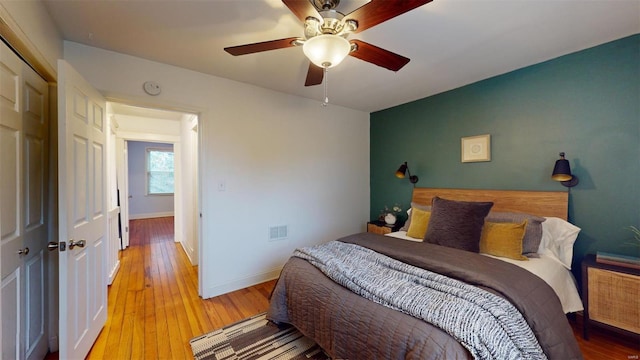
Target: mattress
548,269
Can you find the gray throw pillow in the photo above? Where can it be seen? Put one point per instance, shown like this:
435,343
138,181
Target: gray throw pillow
532,233
405,227
457,224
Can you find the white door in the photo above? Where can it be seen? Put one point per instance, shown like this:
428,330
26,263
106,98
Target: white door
124,195
82,213
195,205
23,224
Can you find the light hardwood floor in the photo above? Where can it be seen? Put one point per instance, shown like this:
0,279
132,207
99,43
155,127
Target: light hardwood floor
154,308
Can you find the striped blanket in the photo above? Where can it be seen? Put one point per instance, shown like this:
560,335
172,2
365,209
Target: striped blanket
485,324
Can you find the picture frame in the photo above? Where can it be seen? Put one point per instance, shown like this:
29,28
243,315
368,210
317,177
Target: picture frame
476,148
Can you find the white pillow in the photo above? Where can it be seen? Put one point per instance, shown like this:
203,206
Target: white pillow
558,237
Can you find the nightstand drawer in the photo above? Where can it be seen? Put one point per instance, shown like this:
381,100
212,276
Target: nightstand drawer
376,229
610,297
614,299
379,227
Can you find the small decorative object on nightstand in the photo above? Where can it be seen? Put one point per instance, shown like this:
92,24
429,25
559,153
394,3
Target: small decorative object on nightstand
390,219
610,296
390,214
379,227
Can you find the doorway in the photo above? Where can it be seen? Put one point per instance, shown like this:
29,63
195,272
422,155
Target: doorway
135,125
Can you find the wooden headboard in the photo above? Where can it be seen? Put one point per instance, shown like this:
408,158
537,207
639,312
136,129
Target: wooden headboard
541,203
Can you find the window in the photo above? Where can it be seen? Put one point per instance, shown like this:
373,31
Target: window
159,172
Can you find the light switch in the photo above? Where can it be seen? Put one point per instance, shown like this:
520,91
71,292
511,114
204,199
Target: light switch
222,186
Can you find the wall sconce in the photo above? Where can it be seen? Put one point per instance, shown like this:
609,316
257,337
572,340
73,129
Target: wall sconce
562,172
404,169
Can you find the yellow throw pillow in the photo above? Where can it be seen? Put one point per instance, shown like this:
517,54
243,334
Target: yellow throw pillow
419,223
503,239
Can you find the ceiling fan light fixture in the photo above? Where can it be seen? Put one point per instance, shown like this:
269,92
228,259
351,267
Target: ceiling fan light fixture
326,50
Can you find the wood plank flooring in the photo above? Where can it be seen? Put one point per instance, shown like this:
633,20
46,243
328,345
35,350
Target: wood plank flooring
154,308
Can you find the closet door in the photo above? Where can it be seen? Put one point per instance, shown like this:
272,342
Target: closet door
11,232
23,228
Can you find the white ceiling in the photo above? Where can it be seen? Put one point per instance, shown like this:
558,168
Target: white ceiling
451,43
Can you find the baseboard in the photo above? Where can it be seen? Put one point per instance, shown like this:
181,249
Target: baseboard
53,344
112,274
189,252
150,215
240,283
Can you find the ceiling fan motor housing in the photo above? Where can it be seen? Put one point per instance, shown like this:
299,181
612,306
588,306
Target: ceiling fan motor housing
330,24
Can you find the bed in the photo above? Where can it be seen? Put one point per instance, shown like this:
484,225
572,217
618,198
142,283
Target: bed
360,322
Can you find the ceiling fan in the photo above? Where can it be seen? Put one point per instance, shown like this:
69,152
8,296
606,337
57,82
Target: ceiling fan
326,31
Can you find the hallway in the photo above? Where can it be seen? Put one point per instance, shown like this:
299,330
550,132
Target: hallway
154,307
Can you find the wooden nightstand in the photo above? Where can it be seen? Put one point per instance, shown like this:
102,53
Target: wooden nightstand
610,296
379,227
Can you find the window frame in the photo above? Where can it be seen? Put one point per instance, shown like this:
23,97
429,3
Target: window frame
147,171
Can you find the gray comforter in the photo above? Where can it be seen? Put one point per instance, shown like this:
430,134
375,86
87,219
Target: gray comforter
349,326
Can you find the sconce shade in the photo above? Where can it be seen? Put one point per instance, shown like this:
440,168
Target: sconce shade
403,170
326,51
562,172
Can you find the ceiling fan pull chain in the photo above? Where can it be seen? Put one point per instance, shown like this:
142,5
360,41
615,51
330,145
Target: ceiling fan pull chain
326,86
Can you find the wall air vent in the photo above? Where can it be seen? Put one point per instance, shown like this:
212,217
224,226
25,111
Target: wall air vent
279,232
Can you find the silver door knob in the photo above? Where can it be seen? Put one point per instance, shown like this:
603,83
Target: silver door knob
52,246
73,243
24,251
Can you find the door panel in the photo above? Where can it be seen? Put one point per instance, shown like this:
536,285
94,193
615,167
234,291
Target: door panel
98,175
10,201
80,180
11,319
10,195
34,183
23,223
97,306
10,190
83,279
34,303
79,281
35,128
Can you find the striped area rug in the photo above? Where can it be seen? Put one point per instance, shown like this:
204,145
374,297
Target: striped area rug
255,338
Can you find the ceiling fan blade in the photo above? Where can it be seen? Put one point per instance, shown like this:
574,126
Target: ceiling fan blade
378,56
315,74
379,11
302,9
261,46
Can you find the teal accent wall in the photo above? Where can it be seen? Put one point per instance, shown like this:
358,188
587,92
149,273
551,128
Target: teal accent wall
586,104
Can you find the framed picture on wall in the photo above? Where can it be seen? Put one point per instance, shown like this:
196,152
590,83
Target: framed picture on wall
476,148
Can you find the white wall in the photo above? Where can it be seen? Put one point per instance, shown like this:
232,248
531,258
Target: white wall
146,127
188,206
141,205
282,160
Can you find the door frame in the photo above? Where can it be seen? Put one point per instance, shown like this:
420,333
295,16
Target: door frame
180,194
123,172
